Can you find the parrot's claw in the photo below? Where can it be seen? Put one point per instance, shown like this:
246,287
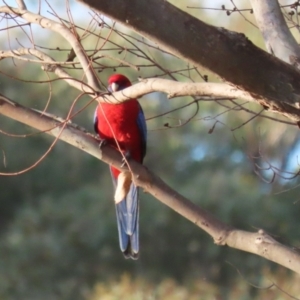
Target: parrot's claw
125,158
102,143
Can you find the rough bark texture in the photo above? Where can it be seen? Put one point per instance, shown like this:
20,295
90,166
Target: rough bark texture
229,54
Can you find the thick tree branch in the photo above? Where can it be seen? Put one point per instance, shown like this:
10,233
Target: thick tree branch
229,54
278,38
178,89
258,243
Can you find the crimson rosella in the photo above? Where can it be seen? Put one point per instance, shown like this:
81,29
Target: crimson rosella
123,125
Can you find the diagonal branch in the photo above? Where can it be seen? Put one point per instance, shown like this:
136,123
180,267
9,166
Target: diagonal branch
258,243
21,4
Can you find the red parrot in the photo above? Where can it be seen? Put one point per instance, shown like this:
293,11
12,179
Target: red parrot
124,127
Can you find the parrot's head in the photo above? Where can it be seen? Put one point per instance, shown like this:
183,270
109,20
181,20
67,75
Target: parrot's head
118,82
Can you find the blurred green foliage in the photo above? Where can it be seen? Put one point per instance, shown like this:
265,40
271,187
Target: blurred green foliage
58,238
169,289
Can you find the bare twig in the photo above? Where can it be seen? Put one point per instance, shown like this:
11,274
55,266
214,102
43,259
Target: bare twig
48,64
65,33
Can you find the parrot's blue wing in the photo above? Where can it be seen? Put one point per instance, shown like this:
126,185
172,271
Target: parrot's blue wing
141,122
132,204
96,122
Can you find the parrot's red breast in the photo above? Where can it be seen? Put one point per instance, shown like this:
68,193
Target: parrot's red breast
117,124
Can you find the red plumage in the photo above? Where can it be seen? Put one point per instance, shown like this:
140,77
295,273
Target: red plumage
117,124
123,126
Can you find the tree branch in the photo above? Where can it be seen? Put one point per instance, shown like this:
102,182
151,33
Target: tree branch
48,65
150,85
200,89
178,89
21,4
278,38
258,243
229,54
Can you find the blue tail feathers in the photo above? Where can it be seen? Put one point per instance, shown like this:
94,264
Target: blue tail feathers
128,223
